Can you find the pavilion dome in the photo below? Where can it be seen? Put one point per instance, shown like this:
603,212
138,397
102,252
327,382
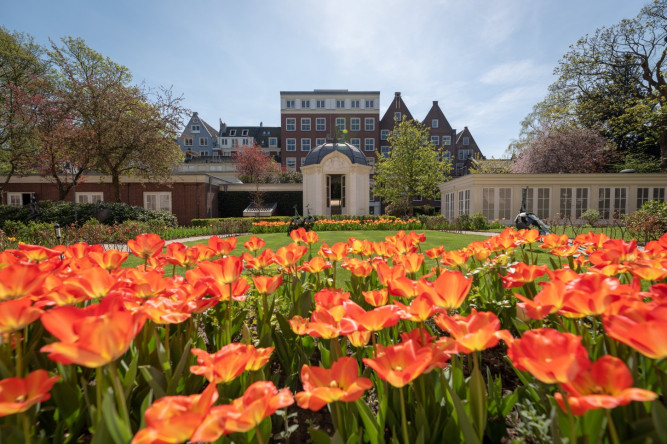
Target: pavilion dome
317,155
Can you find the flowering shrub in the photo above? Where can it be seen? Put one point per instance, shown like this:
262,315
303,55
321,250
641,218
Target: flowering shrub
452,346
341,225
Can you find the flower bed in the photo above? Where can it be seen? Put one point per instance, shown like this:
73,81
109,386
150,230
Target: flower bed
341,225
430,346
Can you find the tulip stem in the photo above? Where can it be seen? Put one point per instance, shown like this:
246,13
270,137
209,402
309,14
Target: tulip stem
404,420
570,416
26,427
19,355
99,389
229,316
260,439
120,393
612,427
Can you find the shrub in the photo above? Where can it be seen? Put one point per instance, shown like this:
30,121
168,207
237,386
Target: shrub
436,223
478,222
649,222
463,222
591,216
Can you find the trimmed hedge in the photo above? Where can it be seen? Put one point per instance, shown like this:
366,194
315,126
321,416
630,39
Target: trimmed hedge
68,213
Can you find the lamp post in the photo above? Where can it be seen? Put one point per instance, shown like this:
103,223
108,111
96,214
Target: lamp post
69,168
56,230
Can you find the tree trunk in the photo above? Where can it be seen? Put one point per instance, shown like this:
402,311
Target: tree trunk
663,151
115,185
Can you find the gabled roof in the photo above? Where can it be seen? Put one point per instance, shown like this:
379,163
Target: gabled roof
465,133
397,105
436,113
209,129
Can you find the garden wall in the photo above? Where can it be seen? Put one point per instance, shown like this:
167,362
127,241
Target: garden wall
233,199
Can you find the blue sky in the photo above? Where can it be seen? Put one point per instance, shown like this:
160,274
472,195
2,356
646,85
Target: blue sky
487,62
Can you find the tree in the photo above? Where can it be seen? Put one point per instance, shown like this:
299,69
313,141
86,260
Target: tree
255,166
617,80
21,82
131,130
564,150
412,168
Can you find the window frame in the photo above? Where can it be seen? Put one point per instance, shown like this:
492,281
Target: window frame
91,196
303,144
320,124
434,123
305,124
355,124
369,124
290,124
158,201
290,142
338,120
355,141
371,145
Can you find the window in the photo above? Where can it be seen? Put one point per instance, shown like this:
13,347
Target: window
465,154
581,203
504,203
195,128
157,200
18,199
244,132
290,104
620,201
449,205
290,162
305,144
232,132
384,134
273,142
466,141
305,103
356,142
355,124
488,200
659,194
543,207
464,202
290,124
369,144
320,124
369,124
320,141
370,104
291,145
370,161
385,151
305,124
355,104
224,141
446,140
340,123
642,196
320,104
397,116
604,202
417,199
565,202
340,103
203,141
435,140
90,197
187,141
459,167
446,155
245,142
434,123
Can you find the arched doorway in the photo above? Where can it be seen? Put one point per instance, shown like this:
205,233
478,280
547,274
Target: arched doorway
335,194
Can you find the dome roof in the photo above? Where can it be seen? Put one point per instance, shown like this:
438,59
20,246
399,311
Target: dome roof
319,153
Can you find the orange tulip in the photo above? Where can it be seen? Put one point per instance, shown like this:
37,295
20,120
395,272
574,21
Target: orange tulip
145,246
449,290
549,355
96,284
222,246
412,262
19,394
400,364
92,336
479,250
310,237
254,243
329,298
475,332
174,419
36,253
454,258
590,295
521,274
259,401
435,252
223,366
420,309
548,300
267,284
287,257
526,236
376,297
359,338
592,241
16,314
336,253
109,260
358,267
315,265
360,247
259,357
339,383
554,240
373,320
386,273
165,310
405,287
80,250
262,261
642,326
223,271
20,280
605,385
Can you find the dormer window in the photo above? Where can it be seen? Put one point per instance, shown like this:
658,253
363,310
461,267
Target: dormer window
244,132
232,132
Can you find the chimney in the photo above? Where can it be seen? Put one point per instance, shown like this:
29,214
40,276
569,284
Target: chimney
195,114
435,103
261,124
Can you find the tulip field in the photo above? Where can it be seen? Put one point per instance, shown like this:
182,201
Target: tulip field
219,342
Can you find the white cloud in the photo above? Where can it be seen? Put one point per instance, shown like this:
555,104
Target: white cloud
514,72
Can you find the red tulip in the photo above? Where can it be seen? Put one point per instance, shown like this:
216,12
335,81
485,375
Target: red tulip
19,394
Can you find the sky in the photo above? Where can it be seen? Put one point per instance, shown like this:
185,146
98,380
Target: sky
487,62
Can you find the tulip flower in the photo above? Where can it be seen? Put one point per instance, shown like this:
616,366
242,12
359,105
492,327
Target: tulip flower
358,267
412,262
260,400
400,364
521,274
376,298
548,300
16,314
19,394
267,284
92,336
254,243
373,320
20,280
553,240
315,265
336,253
174,419
36,253
109,260
643,326
605,385
476,332
261,261
223,271
454,258
359,338
222,246
420,309
287,257
81,250
223,366
145,246
436,252
449,290
339,383
549,355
